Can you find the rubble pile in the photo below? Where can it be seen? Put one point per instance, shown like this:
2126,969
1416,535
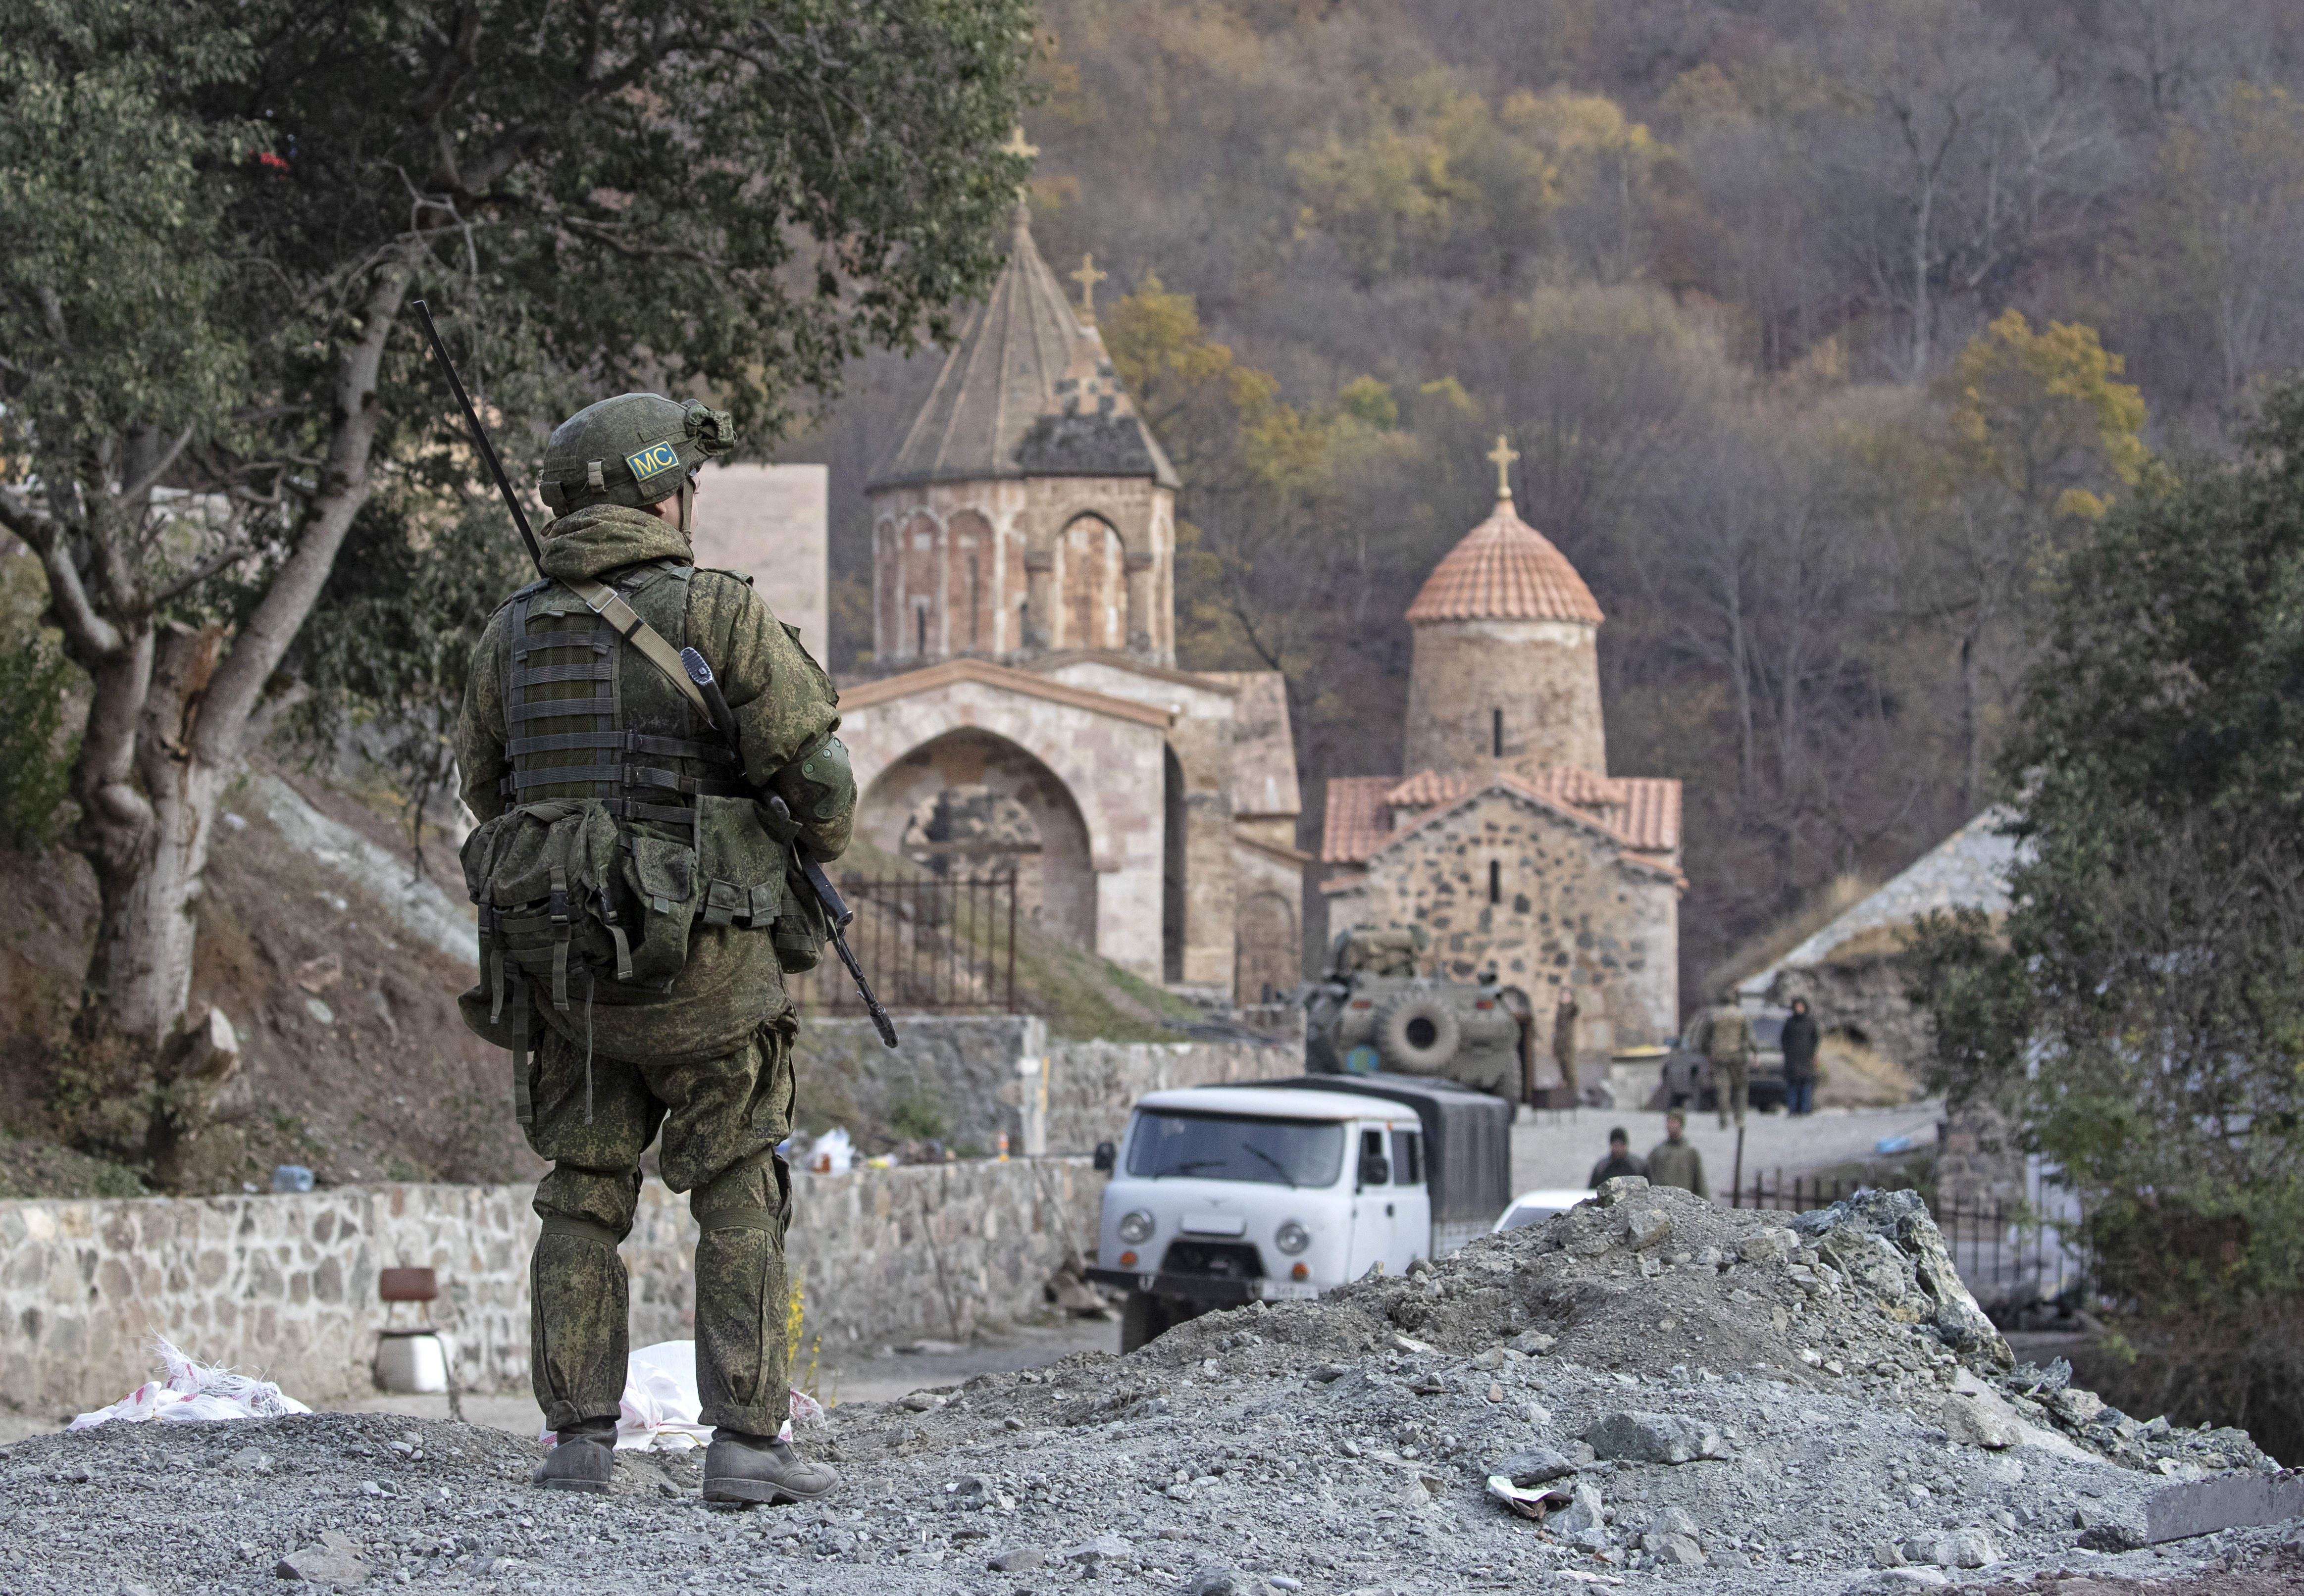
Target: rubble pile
1646,1391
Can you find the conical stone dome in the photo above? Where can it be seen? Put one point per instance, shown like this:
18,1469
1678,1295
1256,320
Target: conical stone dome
1506,675
1022,356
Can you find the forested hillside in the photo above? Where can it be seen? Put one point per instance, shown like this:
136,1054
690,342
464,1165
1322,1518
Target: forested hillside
1820,329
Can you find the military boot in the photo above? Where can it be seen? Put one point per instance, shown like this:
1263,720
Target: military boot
761,1468
584,1460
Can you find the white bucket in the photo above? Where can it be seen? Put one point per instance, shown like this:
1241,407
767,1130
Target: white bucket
410,1362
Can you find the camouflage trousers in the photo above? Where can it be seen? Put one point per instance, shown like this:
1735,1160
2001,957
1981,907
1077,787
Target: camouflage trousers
722,1120
1732,1085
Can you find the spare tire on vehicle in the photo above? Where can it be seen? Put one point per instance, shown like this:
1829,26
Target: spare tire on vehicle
1418,1035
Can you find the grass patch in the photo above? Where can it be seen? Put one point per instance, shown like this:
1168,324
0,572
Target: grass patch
49,1171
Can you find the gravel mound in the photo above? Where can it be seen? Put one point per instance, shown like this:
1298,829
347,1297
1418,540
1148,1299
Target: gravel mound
1701,1399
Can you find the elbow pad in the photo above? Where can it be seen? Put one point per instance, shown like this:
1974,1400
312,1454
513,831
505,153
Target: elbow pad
820,790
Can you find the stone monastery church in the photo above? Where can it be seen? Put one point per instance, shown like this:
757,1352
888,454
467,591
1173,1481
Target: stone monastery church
1024,709
1506,839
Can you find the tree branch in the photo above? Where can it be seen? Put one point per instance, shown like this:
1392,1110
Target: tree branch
264,640
92,638
135,491
200,573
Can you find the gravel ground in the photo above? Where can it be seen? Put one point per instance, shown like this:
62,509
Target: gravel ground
1332,1446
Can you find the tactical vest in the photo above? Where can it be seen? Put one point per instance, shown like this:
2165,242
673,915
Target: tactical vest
627,820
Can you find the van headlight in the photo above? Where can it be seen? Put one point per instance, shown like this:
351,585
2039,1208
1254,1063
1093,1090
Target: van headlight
1135,1225
1292,1238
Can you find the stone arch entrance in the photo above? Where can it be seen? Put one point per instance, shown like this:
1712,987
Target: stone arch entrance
971,803
1267,955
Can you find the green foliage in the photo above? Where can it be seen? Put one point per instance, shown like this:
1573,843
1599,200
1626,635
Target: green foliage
35,800
45,1172
388,645
1980,995
2148,1009
919,1114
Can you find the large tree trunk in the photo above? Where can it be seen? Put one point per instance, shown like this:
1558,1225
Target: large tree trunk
149,858
167,723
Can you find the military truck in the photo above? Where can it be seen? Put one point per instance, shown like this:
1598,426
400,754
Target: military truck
1372,1011
1264,1191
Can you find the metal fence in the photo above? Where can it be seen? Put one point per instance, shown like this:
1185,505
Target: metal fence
2006,1252
934,944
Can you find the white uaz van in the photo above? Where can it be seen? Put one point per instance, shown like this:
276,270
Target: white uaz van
1228,1195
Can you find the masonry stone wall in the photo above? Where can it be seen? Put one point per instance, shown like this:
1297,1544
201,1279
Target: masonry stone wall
963,1067
1545,675
1865,998
285,1285
1570,909
995,1074
1091,1085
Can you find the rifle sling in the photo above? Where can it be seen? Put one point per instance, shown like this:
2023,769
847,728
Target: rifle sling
609,605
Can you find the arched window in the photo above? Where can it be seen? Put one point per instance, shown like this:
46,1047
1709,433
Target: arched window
1496,732
1495,881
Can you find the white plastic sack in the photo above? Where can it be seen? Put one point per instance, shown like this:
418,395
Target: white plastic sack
832,1153
661,1407
194,1392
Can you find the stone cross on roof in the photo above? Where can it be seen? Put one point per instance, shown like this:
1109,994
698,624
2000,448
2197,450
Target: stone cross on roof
1087,277
1016,146
1504,454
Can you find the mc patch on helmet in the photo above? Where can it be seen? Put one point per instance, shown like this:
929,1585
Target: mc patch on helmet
653,460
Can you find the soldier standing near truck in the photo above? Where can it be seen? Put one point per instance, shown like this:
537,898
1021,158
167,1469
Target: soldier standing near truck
1724,1035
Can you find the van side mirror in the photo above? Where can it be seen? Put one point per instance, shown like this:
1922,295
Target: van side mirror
1376,1169
1107,1156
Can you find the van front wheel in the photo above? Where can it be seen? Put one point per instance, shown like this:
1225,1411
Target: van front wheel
1142,1318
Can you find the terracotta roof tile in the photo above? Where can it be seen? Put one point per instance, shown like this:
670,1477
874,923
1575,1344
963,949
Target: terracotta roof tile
1574,784
1358,821
1504,570
1651,817
1427,787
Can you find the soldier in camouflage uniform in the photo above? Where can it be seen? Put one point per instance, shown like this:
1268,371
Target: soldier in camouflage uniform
625,868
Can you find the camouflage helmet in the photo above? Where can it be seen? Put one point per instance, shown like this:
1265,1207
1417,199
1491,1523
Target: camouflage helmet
635,450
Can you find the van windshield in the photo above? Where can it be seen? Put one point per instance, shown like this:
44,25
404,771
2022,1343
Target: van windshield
1211,1147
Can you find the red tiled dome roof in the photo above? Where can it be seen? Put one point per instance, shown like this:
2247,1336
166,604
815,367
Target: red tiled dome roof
1504,570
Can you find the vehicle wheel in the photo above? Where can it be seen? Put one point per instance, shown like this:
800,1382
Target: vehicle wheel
1418,1036
1142,1318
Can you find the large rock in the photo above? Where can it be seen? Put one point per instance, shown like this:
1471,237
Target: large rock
1583,1512
1981,1419
1672,1551
2199,1507
333,1561
1953,1549
1534,1465
1654,1437
1903,1218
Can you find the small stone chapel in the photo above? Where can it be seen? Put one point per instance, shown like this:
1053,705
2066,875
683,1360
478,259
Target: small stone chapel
1506,837
1023,709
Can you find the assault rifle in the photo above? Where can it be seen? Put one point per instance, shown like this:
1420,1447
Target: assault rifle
689,670
836,912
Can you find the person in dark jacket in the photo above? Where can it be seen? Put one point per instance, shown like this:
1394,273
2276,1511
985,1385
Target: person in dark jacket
1798,1043
1619,1161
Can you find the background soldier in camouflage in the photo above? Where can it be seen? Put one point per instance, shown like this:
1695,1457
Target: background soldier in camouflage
705,1055
1724,1034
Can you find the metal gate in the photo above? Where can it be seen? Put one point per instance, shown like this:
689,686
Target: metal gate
935,944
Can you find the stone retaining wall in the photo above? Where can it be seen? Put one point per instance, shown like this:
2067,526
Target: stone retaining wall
285,1285
989,1075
